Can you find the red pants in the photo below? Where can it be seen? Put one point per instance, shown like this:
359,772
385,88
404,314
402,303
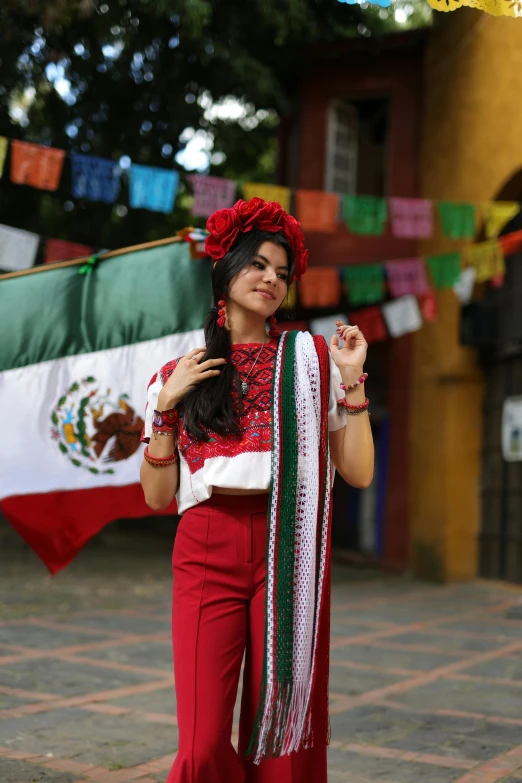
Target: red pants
218,612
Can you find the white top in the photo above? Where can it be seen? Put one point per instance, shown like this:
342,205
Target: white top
242,462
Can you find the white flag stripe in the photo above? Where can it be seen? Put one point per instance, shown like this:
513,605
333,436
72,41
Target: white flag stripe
32,460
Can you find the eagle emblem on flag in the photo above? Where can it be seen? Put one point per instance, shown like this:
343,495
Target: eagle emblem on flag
94,429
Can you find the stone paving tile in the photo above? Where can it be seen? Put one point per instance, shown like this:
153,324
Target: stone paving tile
19,733
433,734
506,629
477,697
385,656
45,638
65,678
509,668
347,629
93,738
162,701
153,654
453,642
7,700
355,768
397,615
14,771
351,682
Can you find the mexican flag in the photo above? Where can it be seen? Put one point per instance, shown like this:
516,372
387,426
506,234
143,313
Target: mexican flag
79,344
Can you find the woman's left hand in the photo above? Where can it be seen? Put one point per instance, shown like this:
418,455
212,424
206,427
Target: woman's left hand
352,354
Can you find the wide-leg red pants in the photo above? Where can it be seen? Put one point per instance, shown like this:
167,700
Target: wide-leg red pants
218,612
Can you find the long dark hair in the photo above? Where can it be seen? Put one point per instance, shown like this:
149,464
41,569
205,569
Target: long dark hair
209,404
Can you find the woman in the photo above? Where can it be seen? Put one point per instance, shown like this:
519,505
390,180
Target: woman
242,430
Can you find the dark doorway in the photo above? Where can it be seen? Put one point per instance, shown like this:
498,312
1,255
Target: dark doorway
500,347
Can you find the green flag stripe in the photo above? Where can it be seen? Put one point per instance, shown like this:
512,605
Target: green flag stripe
284,604
126,299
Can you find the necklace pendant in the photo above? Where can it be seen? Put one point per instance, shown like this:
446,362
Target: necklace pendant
244,388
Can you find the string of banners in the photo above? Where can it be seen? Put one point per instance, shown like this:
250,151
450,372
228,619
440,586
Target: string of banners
99,179
409,285
20,249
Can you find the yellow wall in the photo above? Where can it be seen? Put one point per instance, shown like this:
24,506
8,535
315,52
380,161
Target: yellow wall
472,145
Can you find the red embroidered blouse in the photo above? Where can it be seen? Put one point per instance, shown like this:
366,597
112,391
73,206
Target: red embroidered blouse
234,461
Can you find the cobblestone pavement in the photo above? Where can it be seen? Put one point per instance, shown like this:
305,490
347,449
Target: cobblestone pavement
426,681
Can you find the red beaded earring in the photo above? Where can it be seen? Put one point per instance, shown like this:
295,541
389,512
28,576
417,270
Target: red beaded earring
274,331
221,313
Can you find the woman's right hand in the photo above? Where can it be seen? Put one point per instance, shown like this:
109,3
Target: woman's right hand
188,373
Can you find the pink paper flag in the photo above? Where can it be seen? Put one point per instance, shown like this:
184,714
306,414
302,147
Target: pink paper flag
210,194
407,277
411,218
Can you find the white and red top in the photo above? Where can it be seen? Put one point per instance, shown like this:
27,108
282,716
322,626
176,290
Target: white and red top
234,461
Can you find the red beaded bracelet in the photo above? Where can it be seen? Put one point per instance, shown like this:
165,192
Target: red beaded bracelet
352,386
362,407
159,462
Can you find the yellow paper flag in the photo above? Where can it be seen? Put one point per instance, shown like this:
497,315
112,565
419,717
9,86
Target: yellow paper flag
497,214
493,7
290,300
268,193
487,259
3,153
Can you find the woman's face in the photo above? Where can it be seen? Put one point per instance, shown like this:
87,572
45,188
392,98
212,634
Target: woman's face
262,286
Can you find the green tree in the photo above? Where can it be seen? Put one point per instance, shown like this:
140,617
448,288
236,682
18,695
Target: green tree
126,77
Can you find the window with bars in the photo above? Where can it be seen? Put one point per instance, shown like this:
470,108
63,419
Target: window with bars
357,146
341,152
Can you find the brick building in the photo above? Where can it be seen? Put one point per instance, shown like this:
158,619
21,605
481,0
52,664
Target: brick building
423,114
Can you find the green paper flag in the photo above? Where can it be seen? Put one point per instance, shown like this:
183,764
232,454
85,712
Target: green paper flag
364,284
444,269
365,214
458,220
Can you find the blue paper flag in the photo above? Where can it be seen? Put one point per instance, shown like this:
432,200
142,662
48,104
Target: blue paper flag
97,179
382,3
153,188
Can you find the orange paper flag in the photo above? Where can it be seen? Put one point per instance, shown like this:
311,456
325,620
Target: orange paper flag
317,210
37,166
320,287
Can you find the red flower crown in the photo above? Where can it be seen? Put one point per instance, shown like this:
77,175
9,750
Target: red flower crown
225,225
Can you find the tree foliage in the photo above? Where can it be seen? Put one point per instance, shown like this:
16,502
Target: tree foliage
126,77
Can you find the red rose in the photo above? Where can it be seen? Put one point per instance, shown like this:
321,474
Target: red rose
224,227
257,213
301,262
293,233
271,217
247,211
292,229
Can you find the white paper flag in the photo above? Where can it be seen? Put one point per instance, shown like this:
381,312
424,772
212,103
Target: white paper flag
17,248
402,315
464,285
327,326
512,429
